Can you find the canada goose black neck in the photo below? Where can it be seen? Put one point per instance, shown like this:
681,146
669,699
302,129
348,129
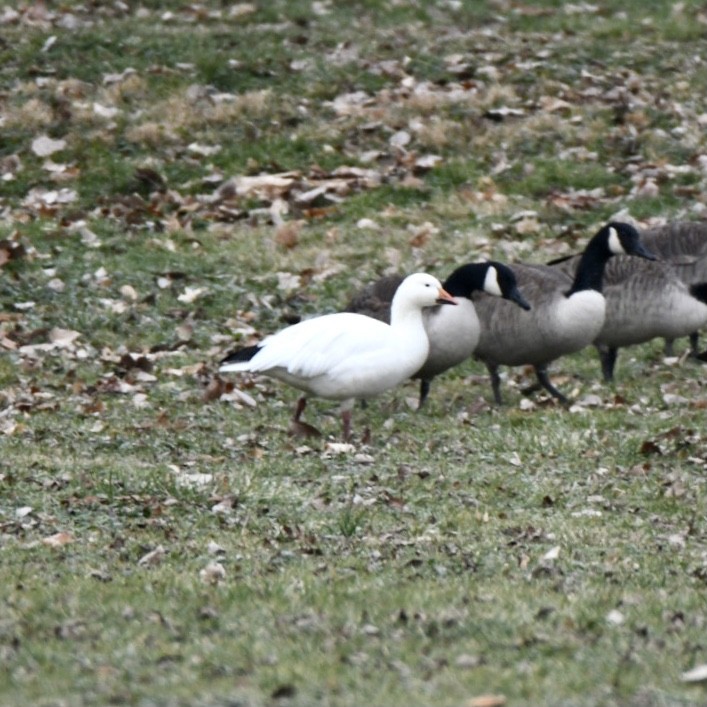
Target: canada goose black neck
699,291
465,279
590,270
613,239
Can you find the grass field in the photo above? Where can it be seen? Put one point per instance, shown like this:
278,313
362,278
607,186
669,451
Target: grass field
177,179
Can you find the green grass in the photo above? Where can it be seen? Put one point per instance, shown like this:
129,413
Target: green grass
423,568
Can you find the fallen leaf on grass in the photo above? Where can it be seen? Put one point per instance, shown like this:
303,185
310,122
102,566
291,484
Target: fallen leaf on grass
367,223
615,617
487,701
242,8
190,294
43,146
63,337
105,111
58,539
10,250
400,139
287,234
190,479
425,162
213,573
153,558
214,548
215,389
650,447
466,660
332,449
551,555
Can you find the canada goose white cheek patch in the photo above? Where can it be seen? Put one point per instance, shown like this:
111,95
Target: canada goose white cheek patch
615,242
491,282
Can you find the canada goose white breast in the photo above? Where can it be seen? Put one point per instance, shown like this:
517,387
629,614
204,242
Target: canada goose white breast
575,320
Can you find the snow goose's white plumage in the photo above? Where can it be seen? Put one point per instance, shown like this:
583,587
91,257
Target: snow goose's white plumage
453,331
348,356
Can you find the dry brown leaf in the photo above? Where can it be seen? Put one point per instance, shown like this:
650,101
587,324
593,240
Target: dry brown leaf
213,573
153,558
551,104
59,539
287,234
10,250
215,389
241,9
487,701
63,337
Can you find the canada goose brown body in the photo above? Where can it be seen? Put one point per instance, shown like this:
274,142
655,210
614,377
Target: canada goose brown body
683,244
644,300
566,313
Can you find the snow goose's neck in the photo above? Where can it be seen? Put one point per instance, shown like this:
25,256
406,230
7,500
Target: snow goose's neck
406,316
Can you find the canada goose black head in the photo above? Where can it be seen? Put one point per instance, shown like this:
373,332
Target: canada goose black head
492,277
624,239
616,238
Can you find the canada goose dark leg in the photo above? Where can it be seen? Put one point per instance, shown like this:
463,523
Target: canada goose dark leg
694,344
299,409
424,392
495,383
607,356
544,380
668,350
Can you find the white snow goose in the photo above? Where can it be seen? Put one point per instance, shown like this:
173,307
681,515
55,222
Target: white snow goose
347,356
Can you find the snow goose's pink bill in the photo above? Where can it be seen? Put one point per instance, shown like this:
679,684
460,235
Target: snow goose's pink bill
348,356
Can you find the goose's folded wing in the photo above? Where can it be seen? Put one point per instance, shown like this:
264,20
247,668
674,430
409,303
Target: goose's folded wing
313,347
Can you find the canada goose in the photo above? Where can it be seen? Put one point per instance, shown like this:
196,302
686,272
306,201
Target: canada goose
347,356
683,244
566,315
453,332
644,300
